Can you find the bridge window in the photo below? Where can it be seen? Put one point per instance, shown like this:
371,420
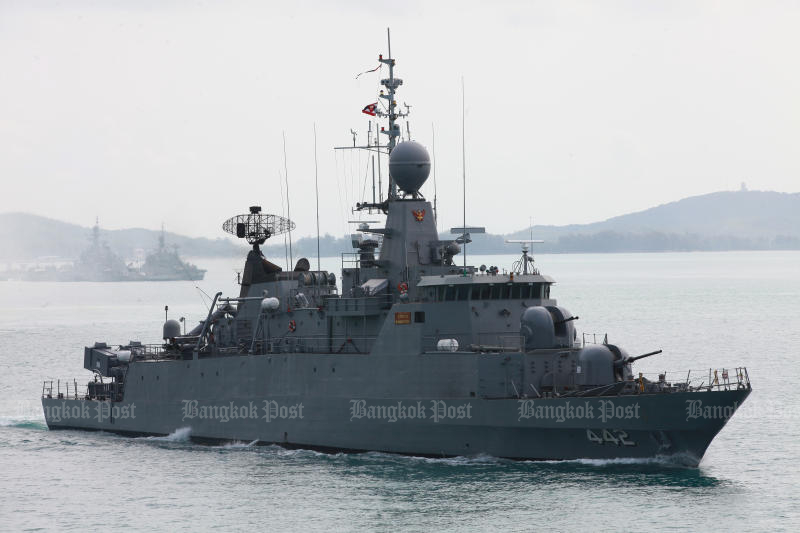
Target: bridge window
483,291
476,292
494,292
517,291
419,316
450,293
532,290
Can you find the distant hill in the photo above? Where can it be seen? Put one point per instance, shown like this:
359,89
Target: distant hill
745,214
728,220
28,237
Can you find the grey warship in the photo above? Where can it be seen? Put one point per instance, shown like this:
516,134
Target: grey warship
415,354
97,262
164,264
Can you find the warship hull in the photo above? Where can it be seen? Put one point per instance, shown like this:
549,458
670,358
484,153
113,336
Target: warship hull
306,400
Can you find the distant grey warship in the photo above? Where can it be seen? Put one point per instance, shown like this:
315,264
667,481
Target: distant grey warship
414,355
97,262
164,264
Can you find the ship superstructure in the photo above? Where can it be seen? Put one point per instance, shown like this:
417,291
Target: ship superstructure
414,354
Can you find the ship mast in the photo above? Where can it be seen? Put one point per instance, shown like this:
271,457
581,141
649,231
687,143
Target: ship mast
393,114
161,240
96,231
391,83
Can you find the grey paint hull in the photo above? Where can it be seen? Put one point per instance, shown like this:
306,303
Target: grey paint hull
408,405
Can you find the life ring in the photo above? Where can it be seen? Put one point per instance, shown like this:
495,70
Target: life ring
292,325
402,286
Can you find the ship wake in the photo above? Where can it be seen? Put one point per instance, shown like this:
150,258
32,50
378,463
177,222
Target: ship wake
23,422
676,460
179,435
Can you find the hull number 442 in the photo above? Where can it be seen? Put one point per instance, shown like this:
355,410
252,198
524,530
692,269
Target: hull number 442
605,436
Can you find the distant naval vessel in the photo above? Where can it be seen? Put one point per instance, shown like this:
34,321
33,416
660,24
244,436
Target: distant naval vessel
98,262
164,264
415,354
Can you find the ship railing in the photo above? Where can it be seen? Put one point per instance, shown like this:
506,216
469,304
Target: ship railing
719,379
594,338
350,260
64,389
359,306
353,259
313,296
313,344
69,389
476,342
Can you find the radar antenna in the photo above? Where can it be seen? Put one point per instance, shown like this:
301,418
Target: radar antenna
256,227
520,266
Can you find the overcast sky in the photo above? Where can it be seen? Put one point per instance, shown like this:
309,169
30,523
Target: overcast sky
147,111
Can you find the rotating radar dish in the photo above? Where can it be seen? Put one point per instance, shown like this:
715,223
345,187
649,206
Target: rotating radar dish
256,227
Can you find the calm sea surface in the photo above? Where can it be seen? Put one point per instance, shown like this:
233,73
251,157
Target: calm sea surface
703,309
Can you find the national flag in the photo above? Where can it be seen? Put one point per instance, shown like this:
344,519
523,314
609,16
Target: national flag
370,109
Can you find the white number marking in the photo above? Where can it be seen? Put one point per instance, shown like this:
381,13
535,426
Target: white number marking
614,436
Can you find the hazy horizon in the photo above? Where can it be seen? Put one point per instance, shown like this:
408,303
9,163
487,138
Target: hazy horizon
224,235
149,112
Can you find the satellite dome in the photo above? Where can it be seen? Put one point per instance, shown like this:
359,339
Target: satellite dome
409,166
172,328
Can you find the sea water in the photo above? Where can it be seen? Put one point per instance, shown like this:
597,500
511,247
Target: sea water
705,310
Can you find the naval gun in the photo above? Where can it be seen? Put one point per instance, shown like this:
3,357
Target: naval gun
628,360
